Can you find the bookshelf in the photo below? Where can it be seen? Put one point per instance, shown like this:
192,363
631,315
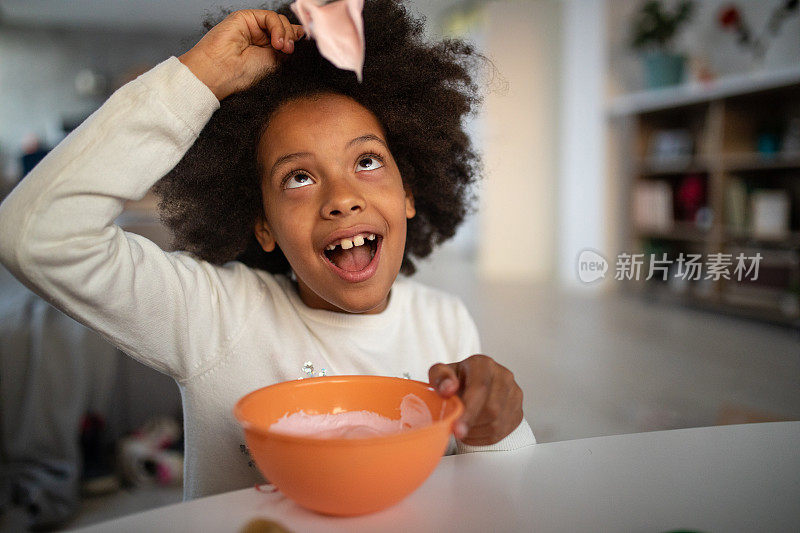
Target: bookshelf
714,171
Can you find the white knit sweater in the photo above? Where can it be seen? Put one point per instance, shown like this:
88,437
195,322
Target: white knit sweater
219,331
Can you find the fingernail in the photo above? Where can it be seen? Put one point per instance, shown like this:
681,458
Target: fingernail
280,41
445,384
461,429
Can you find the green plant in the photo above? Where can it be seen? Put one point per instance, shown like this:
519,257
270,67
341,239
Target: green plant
655,27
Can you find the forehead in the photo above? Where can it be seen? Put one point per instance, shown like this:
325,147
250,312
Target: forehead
316,122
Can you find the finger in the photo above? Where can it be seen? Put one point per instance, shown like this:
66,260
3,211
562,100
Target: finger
495,404
444,379
493,409
477,386
512,404
505,400
499,416
499,409
299,32
270,22
495,417
277,32
288,32
258,23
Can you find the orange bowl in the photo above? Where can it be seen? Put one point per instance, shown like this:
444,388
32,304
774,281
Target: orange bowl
345,476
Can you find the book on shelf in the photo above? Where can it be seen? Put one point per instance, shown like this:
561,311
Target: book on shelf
736,205
652,206
670,146
791,136
769,213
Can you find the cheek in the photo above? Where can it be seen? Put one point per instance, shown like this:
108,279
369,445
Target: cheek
286,226
392,195
292,233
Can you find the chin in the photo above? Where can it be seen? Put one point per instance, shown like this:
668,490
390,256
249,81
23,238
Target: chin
360,305
366,297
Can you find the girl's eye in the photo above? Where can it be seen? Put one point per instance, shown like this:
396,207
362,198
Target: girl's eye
370,162
298,180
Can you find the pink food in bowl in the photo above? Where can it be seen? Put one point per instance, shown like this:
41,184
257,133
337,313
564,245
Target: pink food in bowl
414,414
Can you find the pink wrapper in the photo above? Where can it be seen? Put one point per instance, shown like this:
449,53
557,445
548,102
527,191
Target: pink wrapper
338,28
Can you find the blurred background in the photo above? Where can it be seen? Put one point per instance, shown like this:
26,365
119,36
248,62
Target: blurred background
634,258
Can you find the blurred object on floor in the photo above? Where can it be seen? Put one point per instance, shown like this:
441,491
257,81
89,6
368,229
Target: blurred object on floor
153,455
99,474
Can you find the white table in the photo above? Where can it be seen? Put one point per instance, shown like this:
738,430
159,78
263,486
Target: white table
726,478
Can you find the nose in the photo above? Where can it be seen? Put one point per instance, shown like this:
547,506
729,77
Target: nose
343,199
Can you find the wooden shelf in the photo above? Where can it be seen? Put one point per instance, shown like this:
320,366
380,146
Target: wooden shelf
739,162
769,314
698,93
744,162
792,240
724,121
680,231
651,166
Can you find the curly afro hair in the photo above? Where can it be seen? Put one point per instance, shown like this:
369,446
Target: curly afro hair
420,94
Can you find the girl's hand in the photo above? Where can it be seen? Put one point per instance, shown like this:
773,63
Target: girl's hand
492,399
241,49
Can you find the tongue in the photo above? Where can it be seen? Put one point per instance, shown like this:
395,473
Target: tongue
352,260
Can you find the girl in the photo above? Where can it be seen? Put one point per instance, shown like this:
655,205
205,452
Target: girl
297,195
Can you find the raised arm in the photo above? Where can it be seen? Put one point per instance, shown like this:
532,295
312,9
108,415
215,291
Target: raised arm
57,231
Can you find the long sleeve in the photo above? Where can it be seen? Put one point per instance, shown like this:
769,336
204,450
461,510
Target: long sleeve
57,231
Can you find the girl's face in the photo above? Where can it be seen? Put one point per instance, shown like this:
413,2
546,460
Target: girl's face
334,202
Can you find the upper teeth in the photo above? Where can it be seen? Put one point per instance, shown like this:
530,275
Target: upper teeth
357,240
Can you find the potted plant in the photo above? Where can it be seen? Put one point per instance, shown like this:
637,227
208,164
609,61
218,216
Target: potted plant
654,29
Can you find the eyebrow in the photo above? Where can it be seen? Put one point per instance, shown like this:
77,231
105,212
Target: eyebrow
287,158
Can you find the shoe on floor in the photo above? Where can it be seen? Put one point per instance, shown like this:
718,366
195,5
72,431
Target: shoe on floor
99,475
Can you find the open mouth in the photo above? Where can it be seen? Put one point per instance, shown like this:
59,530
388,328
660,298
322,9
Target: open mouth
353,254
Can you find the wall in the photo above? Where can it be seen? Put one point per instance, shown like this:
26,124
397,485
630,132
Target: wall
518,215
582,187
703,40
37,76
